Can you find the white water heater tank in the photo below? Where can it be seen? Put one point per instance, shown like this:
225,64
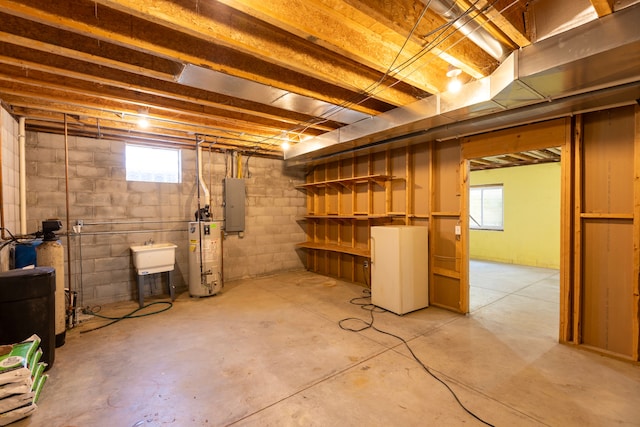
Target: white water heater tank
205,258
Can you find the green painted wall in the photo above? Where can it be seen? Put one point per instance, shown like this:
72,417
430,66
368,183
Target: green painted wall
531,233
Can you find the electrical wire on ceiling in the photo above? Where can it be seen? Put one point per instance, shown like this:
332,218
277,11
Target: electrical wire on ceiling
370,91
440,38
443,32
404,44
431,46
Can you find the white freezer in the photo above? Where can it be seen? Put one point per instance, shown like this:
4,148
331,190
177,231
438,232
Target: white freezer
400,268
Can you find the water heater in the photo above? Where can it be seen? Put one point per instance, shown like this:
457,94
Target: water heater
205,258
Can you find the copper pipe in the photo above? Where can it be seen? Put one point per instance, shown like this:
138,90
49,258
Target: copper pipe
66,183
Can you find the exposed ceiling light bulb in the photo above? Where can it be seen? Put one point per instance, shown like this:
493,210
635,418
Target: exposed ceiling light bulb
285,146
454,85
143,122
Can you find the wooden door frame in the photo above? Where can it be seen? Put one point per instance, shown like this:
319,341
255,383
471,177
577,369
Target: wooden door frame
553,133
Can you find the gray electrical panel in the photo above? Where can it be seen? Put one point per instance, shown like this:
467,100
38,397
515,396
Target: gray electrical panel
234,196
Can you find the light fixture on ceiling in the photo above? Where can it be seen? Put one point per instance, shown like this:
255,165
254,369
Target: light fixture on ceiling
284,136
143,119
143,122
455,84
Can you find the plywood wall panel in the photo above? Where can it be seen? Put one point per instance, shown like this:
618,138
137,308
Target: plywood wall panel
446,164
522,138
361,198
361,166
332,170
346,233
445,248
420,186
398,185
445,291
333,232
320,202
347,267
361,235
379,163
608,285
320,232
608,161
444,244
346,168
332,201
319,174
378,199
345,200
361,274
333,264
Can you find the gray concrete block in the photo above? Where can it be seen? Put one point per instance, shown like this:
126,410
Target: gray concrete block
80,185
111,263
111,211
110,186
76,157
94,199
48,169
92,171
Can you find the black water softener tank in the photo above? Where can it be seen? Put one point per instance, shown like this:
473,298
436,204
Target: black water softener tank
27,307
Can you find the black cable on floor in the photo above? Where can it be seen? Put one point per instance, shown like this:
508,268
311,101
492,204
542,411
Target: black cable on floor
369,325
131,315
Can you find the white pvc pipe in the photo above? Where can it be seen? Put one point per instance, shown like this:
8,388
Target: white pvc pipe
23,175
207,197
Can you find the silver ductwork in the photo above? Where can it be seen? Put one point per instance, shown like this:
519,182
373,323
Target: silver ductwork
465,24
590,67
214,81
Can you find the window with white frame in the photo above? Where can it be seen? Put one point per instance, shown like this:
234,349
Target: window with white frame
486,207
153,164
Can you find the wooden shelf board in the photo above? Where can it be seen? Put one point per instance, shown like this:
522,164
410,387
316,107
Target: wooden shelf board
340,217
598,215
335,248
379,179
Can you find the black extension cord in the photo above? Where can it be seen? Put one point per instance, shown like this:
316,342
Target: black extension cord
131,315
367,306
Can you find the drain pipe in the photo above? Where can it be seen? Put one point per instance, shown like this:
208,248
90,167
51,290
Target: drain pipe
23,175
201,182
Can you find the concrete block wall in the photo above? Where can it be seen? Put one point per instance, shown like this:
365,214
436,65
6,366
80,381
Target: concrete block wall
118,214
10,179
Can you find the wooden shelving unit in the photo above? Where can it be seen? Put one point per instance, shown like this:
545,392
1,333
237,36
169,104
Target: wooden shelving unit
345,199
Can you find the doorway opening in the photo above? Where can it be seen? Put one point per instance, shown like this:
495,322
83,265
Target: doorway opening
514,240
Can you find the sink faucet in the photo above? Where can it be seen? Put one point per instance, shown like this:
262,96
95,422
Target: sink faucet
148,242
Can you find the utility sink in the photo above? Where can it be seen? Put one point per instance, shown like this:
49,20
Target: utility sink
154,258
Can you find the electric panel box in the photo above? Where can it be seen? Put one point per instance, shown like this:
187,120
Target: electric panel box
234,197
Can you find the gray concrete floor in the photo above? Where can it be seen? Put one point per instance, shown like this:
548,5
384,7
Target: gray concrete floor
269,352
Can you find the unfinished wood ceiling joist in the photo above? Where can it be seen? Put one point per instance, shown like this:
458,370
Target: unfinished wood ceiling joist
92,58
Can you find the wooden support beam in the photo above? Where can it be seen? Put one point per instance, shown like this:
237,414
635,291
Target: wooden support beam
578,284
603,7
636,238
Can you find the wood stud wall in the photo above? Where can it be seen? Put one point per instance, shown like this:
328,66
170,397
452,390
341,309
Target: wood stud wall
426,183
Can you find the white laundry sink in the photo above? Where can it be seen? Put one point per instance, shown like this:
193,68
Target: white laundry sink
154,258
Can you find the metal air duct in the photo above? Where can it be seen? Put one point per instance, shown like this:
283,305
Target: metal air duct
551,78
454,14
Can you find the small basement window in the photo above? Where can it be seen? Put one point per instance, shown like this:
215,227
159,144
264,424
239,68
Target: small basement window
486,206
153,164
